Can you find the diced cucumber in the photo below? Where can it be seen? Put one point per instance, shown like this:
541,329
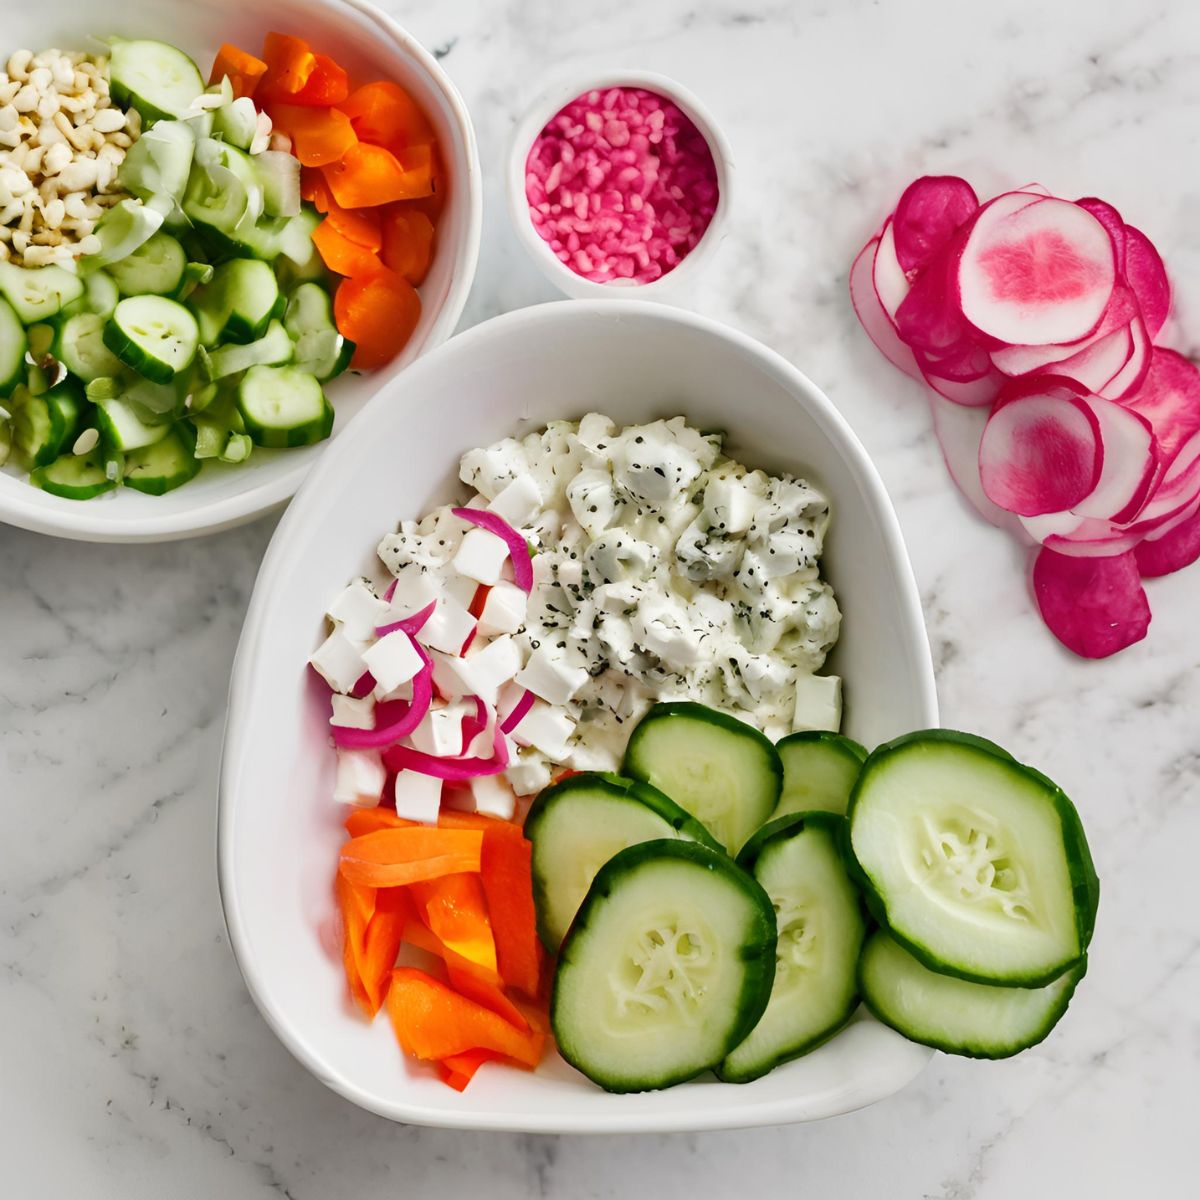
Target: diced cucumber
215,439
236,123
577,825
723,771
121,425
153,403
295,238
820,926
100,293
666,968
272,349
155,268
279,176
46,424
320,349
155,78
238,304
283,406
819,770
155,336
5,439
41,341
974,1019
38,293
79,346
159,162
165,465
13,346
121,231
977,864
77,476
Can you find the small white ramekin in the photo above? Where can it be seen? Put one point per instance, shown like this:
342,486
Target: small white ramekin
551,101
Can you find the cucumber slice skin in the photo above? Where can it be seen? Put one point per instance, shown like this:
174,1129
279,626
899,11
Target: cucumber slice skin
45,424
886,972
38,293
13,346
830,826
1083,881
121,427
79,346
755,957
590,787
258,383
165,465
75,478
155,268
640,764
123,337
132,67
834,753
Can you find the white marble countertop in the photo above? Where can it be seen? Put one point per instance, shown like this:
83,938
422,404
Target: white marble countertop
132,1062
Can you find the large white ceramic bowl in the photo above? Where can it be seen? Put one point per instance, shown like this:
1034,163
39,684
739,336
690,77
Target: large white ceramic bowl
371,46
279,830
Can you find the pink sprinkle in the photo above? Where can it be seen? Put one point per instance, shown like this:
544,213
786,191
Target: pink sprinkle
623,185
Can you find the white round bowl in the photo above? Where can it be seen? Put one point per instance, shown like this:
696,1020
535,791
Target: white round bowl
372,46
279,829
554,98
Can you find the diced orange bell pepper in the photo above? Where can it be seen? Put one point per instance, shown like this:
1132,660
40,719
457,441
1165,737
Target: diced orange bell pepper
241,69
381,944
340,254
453,906
459,1069
319,135
378,313
357,906
290,62
407,243
414,854
384,114
366,175
434,1022
368,820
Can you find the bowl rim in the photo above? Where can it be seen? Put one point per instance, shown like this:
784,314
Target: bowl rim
566,87
88,521
235,747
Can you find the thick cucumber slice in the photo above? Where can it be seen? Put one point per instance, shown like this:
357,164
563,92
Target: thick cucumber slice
279,177
798,862
155,268
156,79
38,293
272,349
977,864
79,346
236,123
13,346
577,825
667,966
973,1019
238,304
155,336
166,465
44,425
100,293
723,771
159,162
283,406
320,349
121,231
121,425
819,770
77,477
294,239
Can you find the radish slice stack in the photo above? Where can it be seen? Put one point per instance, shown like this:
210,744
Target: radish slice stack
1033,321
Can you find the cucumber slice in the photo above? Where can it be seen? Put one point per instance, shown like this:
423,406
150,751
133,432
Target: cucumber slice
155,336
13,346
283,406
166,465
976,864
666,968
215,439
819,770
155,268
120,423
5,439
238,304
798,862
236,123
77,477
45,425
79,346
100,293
320,349
723,771
38,293
153,403
577,825
279,177
272,349
155,78
972,1019
295,239
121,231
159,162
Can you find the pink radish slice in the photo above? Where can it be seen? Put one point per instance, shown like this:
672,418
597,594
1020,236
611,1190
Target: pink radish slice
1038,274
1131,376
1178,488
1094,606
1112,221
872,316
887,275
1130,464
931,210
975,393
1040,452
1147,276
1052,526
1101,362
959,429
1169,399
1178,548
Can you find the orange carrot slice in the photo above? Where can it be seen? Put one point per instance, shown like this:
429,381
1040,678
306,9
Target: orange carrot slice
396,857
289,61
326,84
357,905
366,175
459,1069
384,114
378,313
319,135
243,70
340,254
368,820
432,1021
407,243
453,906
361,225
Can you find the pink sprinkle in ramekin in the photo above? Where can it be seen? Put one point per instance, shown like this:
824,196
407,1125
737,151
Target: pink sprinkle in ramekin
619,184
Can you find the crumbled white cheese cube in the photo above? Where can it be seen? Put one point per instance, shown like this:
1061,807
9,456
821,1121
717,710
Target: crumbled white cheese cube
818,703
729,505
360,777
353,713
546,729
481,556
519,502
415,589
393,660
418,797
491,469
503,610
440,732
359,610
493,797
448,628
495,664
551,677
339,660
528,775
448,675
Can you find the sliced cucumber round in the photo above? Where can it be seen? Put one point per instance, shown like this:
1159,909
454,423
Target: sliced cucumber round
44,425
38,293
155,78
577,825
155,268
721,770
975,863
79,346
122,427
667,966
972,1019
167,464
77,477
13,345
272,349
155,336
320,348
283,406
819,770
821,927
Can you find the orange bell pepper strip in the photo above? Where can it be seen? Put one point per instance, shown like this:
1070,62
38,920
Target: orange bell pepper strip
368,820
320,136
340,254
434,1022
378,313
366,175
458,1070
290,62
384,114
396,857
381,944
241,69
357,906
407,243
454,908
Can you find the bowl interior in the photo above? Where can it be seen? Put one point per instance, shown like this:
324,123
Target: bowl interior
370,46
278,828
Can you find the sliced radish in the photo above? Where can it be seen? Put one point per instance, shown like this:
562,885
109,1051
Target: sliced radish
1035,273
1177,548
959,430
1112,221
974,393
1094,606
943,344
1048,527
1147,276
1131,460
887,275
872,316
1101,362
1169,399
1041,452
1178,487
931,210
